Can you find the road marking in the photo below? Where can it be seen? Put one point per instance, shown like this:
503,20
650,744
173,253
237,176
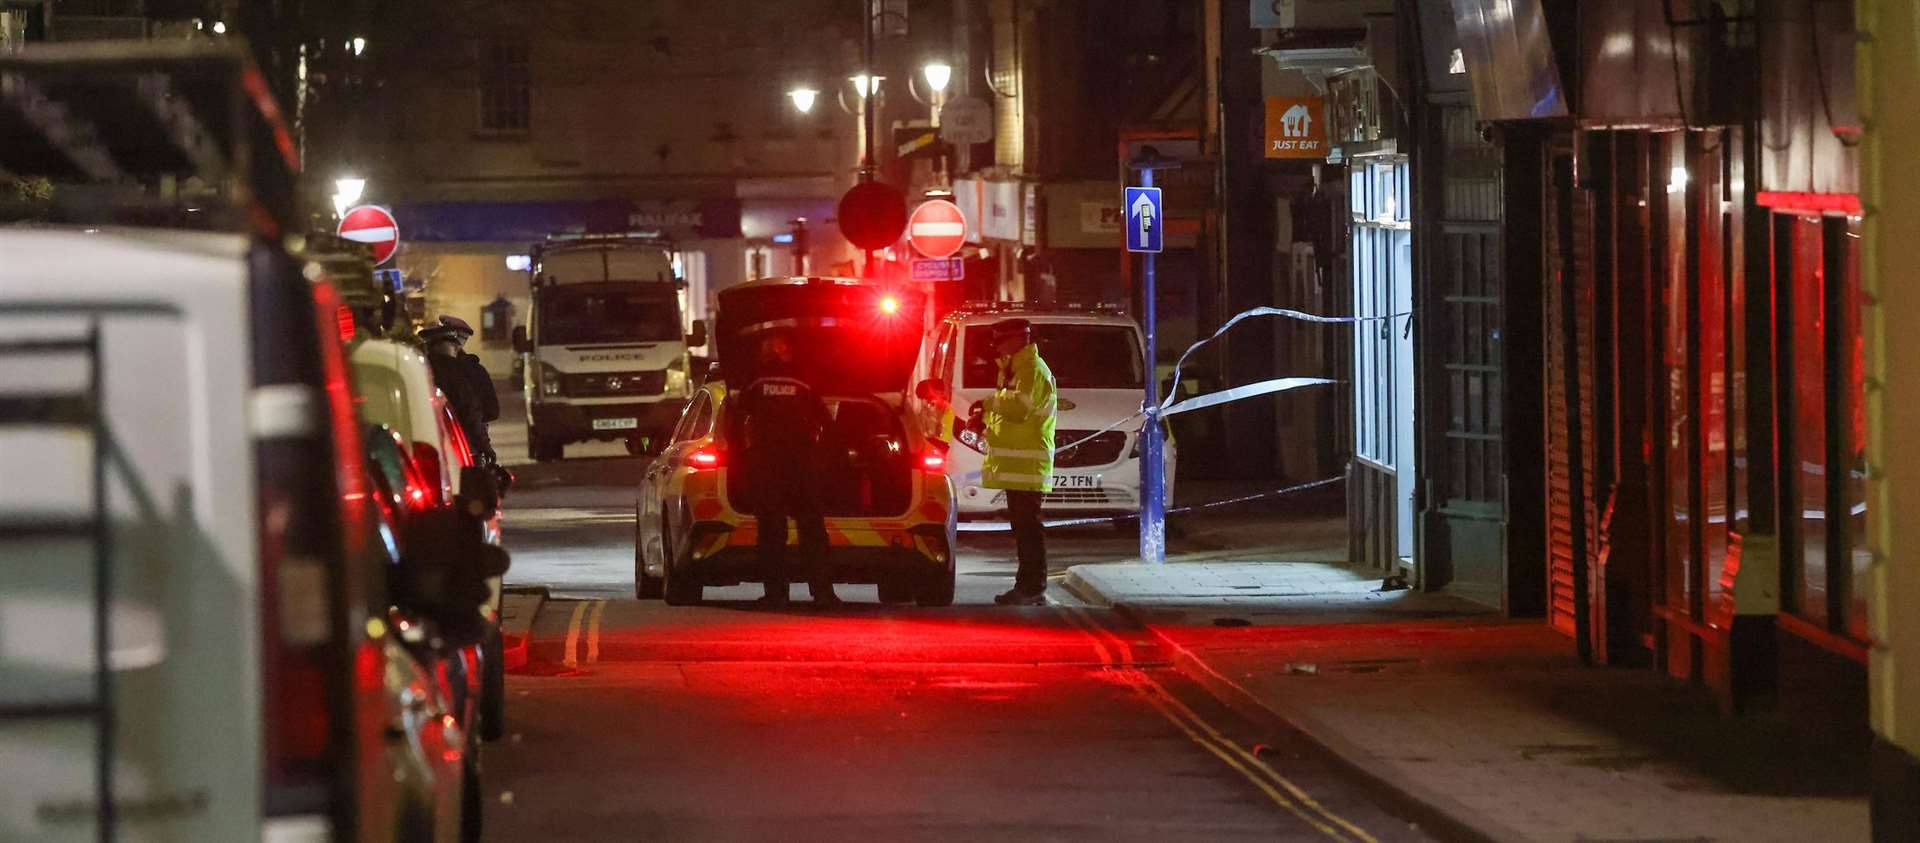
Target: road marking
593,631
1196,727
573,634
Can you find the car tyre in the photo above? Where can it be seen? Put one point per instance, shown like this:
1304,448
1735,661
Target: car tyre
645,586
937,589
897,591
679,588
472,800
493,687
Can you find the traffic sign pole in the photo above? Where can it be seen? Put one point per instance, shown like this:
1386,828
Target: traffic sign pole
1146,233
1153,482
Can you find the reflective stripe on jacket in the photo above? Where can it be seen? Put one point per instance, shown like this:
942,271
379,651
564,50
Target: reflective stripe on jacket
1020,417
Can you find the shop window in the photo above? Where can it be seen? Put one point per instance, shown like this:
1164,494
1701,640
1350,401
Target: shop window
1823,471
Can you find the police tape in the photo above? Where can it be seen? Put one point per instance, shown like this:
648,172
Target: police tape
1267,387
1002,527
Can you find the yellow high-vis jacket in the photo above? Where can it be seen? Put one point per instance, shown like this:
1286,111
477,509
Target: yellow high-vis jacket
1020,418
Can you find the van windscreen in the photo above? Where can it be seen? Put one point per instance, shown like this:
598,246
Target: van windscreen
575,316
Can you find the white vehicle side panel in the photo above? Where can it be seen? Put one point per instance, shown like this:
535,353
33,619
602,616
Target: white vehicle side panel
186,631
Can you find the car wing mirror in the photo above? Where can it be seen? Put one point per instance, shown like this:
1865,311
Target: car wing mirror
520,343
699,335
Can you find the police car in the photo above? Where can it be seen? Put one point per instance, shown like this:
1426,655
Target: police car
1098,366
888,504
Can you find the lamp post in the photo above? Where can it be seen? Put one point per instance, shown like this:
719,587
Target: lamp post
937,74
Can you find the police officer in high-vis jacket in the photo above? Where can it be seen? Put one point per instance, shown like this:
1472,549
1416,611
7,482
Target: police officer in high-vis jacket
778,427
1018,421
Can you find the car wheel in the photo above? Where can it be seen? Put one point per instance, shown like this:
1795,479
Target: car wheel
493,687
645,586
679,587
937,589
897,591
472,801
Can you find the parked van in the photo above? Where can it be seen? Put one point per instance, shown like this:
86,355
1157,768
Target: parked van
194,632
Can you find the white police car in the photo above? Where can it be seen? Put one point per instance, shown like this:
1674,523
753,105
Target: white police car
1096,359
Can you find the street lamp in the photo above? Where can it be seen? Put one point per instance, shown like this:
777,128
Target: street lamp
938,75
866,84
803,98
346,191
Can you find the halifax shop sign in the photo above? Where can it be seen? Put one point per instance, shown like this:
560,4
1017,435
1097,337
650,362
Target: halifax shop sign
531,222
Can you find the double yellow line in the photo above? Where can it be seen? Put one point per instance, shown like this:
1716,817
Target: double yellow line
1116,653
591,610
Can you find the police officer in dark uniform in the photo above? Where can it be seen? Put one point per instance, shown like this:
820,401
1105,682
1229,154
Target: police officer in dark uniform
777,427
468,386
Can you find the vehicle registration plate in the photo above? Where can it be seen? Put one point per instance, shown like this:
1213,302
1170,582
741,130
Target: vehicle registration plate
615,424
1076,481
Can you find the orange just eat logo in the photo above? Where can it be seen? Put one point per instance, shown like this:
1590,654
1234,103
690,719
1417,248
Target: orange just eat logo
1296,127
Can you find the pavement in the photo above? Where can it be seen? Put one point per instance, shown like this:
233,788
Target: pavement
1482,728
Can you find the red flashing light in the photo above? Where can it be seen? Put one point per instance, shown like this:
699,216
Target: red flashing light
889,305
704,458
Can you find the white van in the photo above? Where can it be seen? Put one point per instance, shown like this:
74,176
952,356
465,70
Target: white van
1097,364
176,424
193,627
606,346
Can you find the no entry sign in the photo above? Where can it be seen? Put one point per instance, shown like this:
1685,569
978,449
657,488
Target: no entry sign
937,229
374,226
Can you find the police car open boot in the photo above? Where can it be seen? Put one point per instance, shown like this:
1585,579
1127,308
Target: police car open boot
1016,597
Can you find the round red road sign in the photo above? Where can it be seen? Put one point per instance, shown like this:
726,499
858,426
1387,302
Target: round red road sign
937,229
872,215
374,226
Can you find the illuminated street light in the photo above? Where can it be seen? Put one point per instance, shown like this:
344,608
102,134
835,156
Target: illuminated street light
803,98
938,75
219,27
865,84
346,191
359,45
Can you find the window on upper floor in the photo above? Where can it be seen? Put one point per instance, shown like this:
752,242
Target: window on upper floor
506,97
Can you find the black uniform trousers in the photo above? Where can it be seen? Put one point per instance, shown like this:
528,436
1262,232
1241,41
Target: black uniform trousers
1029,539
783,490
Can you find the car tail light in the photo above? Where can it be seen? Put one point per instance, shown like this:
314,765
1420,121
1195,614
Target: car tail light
343,320
311,494
705,458
932,460
432,473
